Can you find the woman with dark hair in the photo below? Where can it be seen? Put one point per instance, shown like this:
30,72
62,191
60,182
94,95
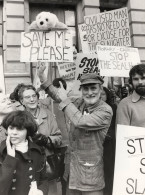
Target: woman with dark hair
21,119
109,144
21,161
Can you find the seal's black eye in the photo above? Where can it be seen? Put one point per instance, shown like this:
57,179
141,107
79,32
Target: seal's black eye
46,19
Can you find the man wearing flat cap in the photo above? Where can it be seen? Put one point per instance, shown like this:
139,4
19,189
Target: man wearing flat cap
89,120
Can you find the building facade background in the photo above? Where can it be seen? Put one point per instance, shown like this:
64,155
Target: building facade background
16,15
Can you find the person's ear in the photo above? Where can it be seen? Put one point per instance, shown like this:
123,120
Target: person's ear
101,87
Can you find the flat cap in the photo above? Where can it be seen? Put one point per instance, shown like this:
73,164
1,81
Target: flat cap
89,78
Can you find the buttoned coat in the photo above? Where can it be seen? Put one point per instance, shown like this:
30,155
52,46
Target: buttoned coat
47,126
17,173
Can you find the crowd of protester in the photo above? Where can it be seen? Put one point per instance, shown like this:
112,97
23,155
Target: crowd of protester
88,126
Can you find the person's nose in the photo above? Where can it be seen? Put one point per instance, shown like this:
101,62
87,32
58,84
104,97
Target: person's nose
15,131
90,92
31,98
140,81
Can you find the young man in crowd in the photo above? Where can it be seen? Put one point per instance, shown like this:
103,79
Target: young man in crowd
89,120
131,109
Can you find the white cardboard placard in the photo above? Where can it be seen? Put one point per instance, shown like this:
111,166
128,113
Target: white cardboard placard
129,175
53,46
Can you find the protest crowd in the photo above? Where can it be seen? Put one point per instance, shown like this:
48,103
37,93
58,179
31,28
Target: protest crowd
65,143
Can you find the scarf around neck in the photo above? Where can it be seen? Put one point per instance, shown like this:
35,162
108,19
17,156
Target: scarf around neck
22,147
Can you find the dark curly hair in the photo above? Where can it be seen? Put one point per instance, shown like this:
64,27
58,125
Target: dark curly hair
21,120
14,95
137,69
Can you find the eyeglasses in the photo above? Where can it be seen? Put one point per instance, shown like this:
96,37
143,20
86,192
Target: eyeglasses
34,96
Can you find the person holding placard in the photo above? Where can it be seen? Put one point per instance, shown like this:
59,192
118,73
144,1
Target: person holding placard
131,109
89,120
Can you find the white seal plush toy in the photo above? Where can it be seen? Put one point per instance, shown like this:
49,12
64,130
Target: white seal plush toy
47,21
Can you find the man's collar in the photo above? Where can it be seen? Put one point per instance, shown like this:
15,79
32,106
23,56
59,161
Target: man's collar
92,107
135,97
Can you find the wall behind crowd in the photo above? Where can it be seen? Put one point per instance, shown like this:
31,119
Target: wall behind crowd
15,17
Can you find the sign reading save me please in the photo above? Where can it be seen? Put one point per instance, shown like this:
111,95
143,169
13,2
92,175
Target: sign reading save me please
53,46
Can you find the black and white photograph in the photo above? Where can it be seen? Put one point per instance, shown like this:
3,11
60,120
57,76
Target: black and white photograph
72,97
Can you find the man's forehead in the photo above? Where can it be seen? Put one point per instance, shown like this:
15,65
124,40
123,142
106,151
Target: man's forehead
91,85
136,75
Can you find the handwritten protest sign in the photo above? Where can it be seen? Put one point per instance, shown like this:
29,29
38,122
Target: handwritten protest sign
2,82
85,63
83,38
129,175
67,70
108,28
53,46
117,61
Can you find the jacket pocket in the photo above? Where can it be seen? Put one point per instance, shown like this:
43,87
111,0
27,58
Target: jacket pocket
91,173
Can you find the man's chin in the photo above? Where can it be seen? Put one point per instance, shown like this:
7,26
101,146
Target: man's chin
140,91
90,102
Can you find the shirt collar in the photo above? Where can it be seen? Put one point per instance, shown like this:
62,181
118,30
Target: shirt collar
135,97
91,108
